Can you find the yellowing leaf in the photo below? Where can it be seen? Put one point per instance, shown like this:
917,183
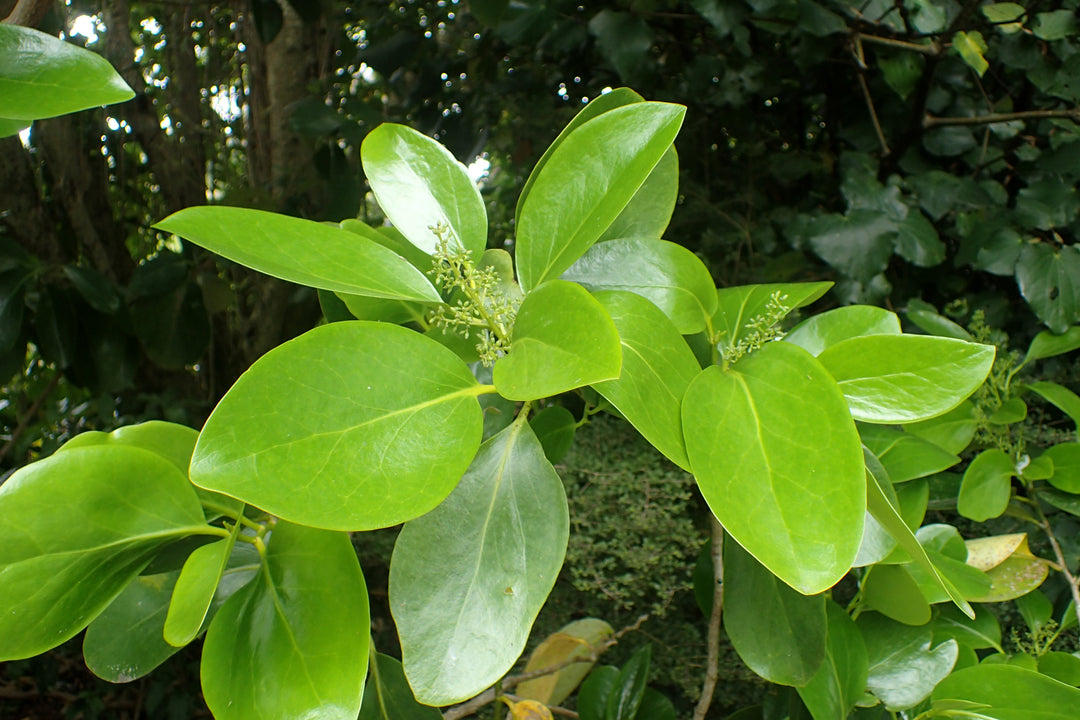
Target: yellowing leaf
989,552
572,641
971,47
1014,571
528,710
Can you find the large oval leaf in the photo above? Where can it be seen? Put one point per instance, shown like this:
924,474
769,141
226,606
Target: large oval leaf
669,275
779,633
43,77
293,643
421,186
1009,692
649,211
904,668
353,425
828,328
779,462
562,339
657,368
905,378
468,578
586,183
99,515
302,251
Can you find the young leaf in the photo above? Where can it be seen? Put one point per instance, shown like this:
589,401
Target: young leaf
387,695
120,505
1046,344
195,590
778,632
337,414
906,378
903,667
420,186
562,339
1060,397
658,366
586,183
42,77
779,462
1066,459
840,682
820,331
302,251
985,490
669,275
294,641
572,641
971,46
1008,692
649,211
468,579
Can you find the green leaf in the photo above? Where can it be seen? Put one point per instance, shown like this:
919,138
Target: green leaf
1036,610
1060,397
905,456
903,667
655,706
390,238
571,642
952,431
1047,344
595,691
741,310
605,102
554,427
10,127
467,579
858,244
1066,459
120,506
658,367
1048,281
173,327
629,688
893,592
820,331
917,241
1007,559
1054,25
339,413
905,378
1008,692
840,682
195,590
387,695
562,339
1062,666
1013,410
926,317
669,275
758,437
980,632
971,46
294,641
420,185
302,251
649,211
624,40
94,287
1004,14
985,490
586,183
44,77
1062,501
779,633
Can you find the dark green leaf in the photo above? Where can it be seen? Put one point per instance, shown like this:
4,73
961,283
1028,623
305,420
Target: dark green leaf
1054,25
629,687
1060,397
840,682
268,19
625,40
387,695
339,412
1047,344
978,633
917,241
595,691
858,244
903,667
926,317
174,327
655,706
57,326
554,427
94,287
1048,279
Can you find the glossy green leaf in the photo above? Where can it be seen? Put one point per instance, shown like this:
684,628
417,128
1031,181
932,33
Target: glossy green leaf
1060,397
655,706
657,369
467,579
1066,459
399,312
554,427
841,680
1007,692
294,641
574,641
669,275
858,244
629,688
593,697
779,633
926,317
1062,501
877,502
387,695
904,668
649,211
120,506
905,456
985,490
893,592
740,310
779,462
1047,344
585,184
952,431
562,339
820,331
978,633
970,582
1013,410
10,127
605,102
195,590
420,185
43,77
1048,279
374,423
302,251
1062,666
390,238
906,378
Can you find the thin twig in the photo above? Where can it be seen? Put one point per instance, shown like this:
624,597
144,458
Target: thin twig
510,681
932,49
931,121
1074,583
712,669
29,416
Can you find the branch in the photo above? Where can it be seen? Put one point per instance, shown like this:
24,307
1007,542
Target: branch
933,49
712,669
492,694
30,415
29,13
1074,583
931,121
